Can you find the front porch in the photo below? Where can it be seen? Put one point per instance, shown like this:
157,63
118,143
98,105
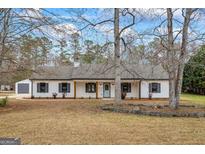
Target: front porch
105,89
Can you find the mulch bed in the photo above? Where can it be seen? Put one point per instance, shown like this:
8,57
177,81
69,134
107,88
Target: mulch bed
157,110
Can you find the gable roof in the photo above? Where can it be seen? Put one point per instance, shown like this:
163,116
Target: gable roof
100,71
53,72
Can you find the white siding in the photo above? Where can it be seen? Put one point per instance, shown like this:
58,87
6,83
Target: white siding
112,90
53,88
134,90
164,89
80,91
27,81
100,89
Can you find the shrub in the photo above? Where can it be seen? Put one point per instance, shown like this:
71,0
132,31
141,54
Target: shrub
123,95
3,102
63,95
54,95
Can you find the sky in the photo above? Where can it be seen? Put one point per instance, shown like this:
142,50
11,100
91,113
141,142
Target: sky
67,16
146,21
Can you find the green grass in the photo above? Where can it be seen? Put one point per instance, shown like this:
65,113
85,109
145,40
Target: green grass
193,98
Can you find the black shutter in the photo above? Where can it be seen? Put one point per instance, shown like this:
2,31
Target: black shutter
129,87
94,87
68,87
150,87
86,87
46,84
38,87
60,87
159,88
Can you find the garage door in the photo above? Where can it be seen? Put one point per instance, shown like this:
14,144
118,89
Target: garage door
23,88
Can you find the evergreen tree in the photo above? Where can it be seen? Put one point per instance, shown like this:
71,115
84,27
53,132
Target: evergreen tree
194,72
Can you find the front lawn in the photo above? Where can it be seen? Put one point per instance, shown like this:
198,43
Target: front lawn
82,122
192,98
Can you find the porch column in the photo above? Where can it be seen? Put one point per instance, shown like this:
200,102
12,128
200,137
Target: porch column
97,90
74,89
140,89
32,89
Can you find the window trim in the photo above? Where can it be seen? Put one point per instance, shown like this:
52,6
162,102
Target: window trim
129,85
87,88
39,87
158,87
60,85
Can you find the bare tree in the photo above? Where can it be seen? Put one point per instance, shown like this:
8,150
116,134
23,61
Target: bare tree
183,53
177,39
170,58
118,38
14,25
117,56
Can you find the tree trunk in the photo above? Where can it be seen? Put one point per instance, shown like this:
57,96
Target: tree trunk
183,53
172,99
4,33
171,60
117,57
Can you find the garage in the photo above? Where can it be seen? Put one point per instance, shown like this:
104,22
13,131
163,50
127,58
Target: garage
23,88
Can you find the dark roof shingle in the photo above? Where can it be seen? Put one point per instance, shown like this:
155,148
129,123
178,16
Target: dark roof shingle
101,71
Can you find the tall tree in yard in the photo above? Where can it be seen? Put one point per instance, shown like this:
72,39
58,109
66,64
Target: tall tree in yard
177,39
118,29
176,71
170,58
183,53
117,56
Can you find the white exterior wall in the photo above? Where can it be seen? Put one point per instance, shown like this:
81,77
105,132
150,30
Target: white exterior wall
100,88
164,89
53,88
112,89
80,91
27,81
134,90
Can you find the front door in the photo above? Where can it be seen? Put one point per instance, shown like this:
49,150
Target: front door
106,90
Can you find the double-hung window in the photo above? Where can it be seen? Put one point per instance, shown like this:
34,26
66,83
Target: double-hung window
42,87
64,87
154,87
126,87
90,87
